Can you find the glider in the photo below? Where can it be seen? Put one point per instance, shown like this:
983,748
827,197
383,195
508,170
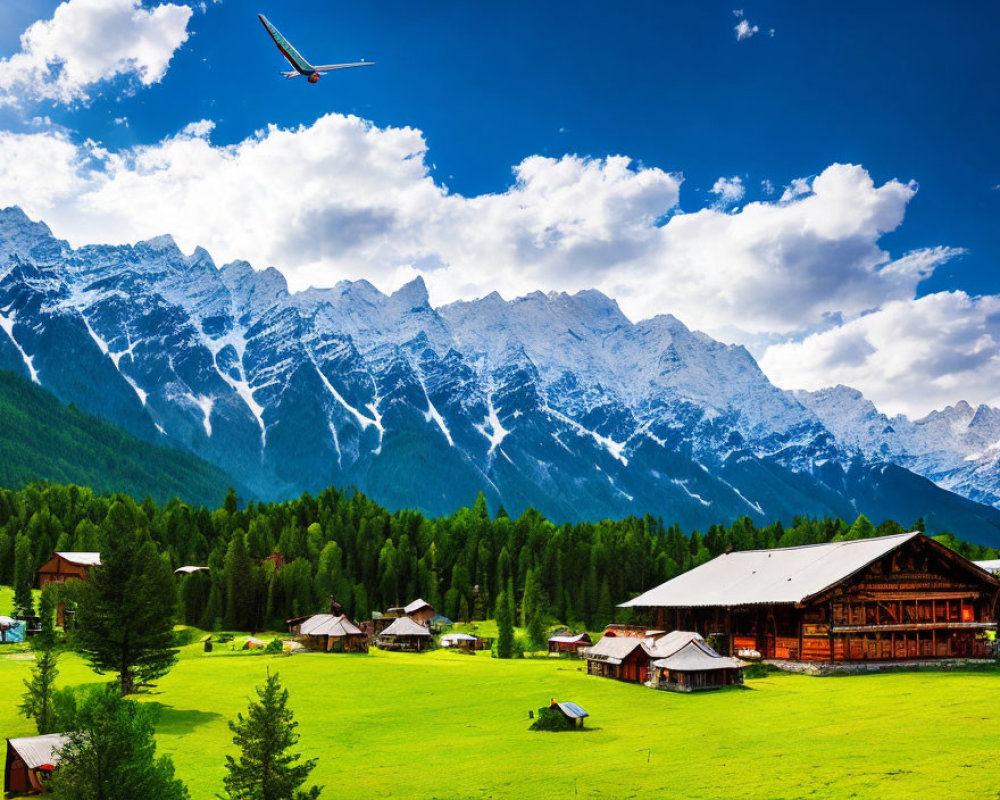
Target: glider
299,65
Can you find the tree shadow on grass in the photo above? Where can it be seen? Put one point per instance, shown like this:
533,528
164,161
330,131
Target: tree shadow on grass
180,721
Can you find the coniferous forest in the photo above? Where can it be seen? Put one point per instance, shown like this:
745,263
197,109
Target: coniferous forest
272,561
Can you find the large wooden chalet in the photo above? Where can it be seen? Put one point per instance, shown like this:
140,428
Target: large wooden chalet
891,598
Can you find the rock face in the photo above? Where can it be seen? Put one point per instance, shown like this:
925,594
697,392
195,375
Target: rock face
552,401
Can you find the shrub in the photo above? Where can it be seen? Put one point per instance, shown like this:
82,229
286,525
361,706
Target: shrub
551,719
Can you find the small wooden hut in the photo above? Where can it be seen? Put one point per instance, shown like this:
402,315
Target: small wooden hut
696,667
624,658
30,761
405,634
330,633
569,644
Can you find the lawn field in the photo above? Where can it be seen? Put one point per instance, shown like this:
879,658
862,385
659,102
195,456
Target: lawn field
448,726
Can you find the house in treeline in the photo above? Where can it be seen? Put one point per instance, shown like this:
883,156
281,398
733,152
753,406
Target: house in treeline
419,611
29,761
624,658
331,633
63,567
405,634
569,643
695,666
890,598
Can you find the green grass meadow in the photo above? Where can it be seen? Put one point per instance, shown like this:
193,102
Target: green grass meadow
448,726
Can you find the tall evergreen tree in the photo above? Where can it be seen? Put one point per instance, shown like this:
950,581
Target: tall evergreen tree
24,575
46,638
125,608
265,769
239,584
505,626
111,755
38,700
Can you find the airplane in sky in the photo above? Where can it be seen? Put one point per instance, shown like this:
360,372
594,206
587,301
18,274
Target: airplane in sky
299,65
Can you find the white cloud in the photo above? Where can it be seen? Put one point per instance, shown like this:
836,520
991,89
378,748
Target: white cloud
744,30
728,190
90,41
767,187
345,199
797,188
910,356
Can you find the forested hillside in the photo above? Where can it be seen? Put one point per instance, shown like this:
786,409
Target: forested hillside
40,438
342,544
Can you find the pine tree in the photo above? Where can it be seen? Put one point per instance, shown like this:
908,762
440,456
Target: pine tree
605,608
239,584
265,769
46,638
125,608
39,699
111,754
505,627
24,576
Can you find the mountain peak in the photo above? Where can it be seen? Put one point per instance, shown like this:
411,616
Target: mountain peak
412,294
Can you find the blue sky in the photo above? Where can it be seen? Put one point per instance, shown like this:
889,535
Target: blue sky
906,91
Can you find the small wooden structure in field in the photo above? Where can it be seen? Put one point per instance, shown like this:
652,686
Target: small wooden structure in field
30,761
624,658
569,644
695,667
461,641
329,633
559,717
405,634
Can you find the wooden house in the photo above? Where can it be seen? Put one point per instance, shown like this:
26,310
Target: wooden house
890,598
65,566
30,761
695,667
330,633
465,641
405,634
624,658
569,644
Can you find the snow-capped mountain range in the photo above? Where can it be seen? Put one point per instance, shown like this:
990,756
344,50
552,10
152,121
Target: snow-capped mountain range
549,400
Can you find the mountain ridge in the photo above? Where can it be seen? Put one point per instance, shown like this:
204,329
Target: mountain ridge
554,401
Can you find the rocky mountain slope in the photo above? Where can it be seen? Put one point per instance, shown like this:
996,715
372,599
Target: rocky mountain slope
553,401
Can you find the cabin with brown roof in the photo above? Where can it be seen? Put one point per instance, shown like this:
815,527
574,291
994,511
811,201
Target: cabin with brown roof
891,598
695,667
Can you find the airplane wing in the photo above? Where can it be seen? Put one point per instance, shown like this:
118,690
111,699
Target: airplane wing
328,67
290,53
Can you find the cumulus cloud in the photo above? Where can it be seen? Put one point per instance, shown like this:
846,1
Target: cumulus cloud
87,42
729,191
342,198
797,188
910,356
744,30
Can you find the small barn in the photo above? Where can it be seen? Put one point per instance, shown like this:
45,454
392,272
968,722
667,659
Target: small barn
405,634
624,658
569,644
460,641
30,761
696,667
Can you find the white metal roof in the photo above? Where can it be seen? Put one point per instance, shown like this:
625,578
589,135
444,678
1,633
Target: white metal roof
83,559
458,637
615,649
697,656
329,625
672,642
404,626
568,639
416,605
782,575
38,750
993,565
189,569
